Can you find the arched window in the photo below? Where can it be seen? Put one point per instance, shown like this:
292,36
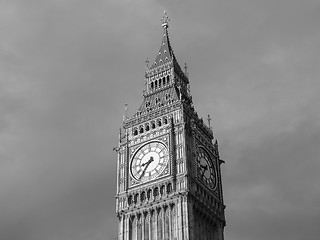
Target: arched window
156,192
169,188
141,130
162,189
135,132
147,127
136,198
165,121
159,122
130,200
159,82
153,125
143,197
164,81
168,79
152,85
149,192
155,84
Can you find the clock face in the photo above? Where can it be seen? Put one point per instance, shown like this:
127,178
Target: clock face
149,161
206,170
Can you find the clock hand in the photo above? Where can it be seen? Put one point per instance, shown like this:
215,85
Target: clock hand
147,165
143,164
144,170
148,162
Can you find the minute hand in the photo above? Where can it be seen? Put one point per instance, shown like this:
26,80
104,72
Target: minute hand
147,165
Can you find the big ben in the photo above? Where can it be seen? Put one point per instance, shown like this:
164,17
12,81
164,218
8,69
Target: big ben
168,166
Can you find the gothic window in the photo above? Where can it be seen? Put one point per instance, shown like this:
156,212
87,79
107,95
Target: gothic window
146,227
167,96
168,79
159,122
162,189
136,198
139,228
156,192
169,188
131,228
147,104
141,129
159,82
135,132
166,224
149,192
152,85
173,221
159,227
130,200
143,197
164,81
147,127
155,84
165,120
153,125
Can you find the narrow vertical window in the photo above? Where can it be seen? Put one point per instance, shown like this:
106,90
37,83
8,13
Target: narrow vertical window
146,227
159,227
166,224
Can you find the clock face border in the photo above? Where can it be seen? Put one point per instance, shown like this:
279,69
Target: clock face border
149,161
205,167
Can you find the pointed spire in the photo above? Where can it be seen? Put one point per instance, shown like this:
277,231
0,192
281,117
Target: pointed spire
216,144
165,20
165,54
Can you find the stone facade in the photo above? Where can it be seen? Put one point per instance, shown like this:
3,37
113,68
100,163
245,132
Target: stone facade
168,167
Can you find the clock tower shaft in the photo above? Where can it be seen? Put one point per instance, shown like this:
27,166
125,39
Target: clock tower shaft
168,167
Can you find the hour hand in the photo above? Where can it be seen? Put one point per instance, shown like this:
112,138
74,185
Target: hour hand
147,165
148,162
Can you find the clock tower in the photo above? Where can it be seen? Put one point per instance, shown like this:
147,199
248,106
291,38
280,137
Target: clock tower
168,166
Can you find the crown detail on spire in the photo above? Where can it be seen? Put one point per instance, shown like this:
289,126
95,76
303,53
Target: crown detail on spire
165,20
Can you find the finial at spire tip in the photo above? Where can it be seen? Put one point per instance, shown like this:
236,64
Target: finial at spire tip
165,20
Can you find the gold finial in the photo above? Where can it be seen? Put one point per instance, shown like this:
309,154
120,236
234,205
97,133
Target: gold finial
165,20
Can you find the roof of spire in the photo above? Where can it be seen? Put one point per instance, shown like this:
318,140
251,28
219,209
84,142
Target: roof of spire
165,53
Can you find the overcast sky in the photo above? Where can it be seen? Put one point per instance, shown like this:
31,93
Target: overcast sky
67,67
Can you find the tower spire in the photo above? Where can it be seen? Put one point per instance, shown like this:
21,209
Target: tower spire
165,20
165,54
